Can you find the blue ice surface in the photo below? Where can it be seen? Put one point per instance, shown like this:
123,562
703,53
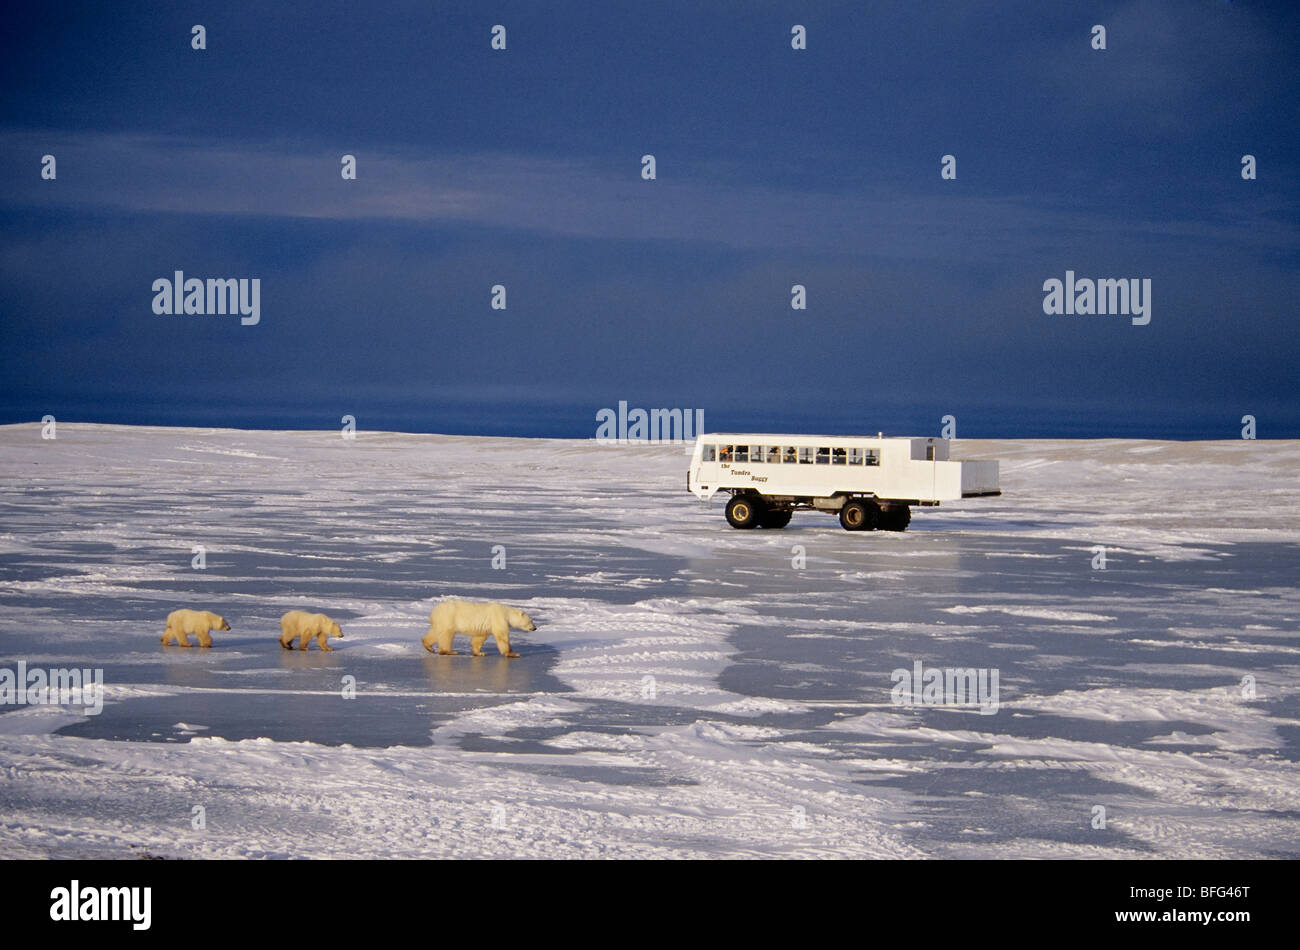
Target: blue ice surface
825,637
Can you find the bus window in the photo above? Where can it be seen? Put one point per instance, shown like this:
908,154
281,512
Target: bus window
791,456
837,456
742,453
728,453
855,456
805,455
756,453
709,453
872,457
823,455
774,454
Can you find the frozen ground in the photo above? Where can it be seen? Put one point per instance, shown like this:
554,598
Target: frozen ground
688,692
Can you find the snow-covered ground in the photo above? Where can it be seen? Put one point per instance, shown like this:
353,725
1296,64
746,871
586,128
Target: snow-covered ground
691,690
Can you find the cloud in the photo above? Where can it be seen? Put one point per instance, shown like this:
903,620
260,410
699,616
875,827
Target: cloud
580,197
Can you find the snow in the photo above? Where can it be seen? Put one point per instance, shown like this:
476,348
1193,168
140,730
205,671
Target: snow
689,690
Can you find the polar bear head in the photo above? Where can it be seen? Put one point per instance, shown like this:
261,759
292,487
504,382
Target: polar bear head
335,630
218,622
520,620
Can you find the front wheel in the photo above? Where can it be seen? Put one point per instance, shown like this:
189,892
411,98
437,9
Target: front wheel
859,515
743,511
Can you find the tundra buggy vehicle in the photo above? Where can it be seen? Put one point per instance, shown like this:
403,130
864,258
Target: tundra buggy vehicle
870,483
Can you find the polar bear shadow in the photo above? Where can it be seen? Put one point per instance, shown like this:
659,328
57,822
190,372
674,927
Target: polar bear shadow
490,674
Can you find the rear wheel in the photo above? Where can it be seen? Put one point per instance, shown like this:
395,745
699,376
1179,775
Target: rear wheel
895,518
776,517
744,511
859,515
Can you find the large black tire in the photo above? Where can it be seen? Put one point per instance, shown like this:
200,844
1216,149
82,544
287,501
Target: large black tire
744,511
895,518
859,514
776,517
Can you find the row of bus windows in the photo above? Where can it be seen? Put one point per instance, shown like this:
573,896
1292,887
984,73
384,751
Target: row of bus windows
790,455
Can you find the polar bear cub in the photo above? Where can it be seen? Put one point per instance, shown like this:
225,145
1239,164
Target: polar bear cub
181,623
300,625
476,620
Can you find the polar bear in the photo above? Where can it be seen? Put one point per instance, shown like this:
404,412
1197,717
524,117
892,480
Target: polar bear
305,627
181,623
476,620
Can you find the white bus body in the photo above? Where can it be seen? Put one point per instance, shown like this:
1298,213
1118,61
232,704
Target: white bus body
870,482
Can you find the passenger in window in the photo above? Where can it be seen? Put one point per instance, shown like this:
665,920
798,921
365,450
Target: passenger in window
837,456
790,456
726,453
774,454
823,456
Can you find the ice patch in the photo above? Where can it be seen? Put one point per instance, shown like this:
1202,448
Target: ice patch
1039,613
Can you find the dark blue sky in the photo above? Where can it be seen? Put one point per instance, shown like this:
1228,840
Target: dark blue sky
775,167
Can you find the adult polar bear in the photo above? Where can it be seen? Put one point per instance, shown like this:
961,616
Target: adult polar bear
476,620
201,623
